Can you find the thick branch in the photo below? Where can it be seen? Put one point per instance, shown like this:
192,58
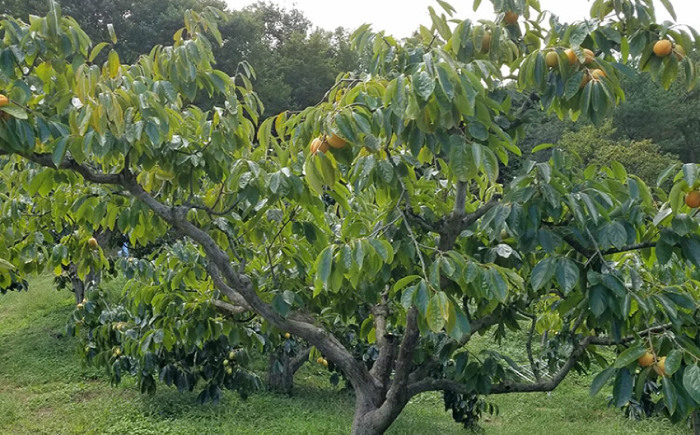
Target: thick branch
382,367
241,284
71,165
458,221
404,361
230,308
505,387
300,359
225,289
237,282
635,247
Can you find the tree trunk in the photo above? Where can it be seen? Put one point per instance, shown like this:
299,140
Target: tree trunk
282,381
79,286
371,419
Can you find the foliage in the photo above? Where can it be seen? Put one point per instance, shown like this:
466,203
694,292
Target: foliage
182,340
668,118
595,146
295,63
44,387
403,232
140,25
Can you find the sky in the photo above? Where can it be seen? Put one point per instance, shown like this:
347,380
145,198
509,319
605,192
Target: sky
400,17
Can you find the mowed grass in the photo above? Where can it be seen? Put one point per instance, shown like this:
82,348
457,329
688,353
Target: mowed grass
44,389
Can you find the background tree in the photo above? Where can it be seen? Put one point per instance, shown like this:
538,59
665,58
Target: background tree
295,63
595,146
139,24
394,224
670,119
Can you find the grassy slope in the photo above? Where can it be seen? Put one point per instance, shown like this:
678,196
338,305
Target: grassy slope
44,390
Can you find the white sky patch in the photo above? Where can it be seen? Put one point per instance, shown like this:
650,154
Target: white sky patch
401,17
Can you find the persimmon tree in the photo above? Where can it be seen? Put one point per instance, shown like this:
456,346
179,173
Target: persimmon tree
395,231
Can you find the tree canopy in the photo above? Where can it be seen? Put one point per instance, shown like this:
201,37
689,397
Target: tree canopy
374,217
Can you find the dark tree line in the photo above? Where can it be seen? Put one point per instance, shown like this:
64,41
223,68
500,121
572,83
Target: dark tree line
295,62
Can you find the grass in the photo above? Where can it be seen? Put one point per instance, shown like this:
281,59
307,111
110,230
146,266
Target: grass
45,390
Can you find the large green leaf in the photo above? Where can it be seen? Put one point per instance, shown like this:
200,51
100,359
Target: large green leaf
601,380
622,389
691,382
673,362
542,273
628,356
438,312
324,265
567,275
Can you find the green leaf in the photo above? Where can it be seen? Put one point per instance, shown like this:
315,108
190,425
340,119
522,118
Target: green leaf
59,151
324,265
490,163
385,171
601,379
478,131
6,265
438,312
383,249
691,382
628,356
573,85
423,85
542,273
665,174
542,147
313,175
403,282
344,121
683,224
457,323
597,300
567,275
670,72
690,246
407,297
670,394
445,84
669,7
622,390
327,169
690,172
422,298
96,50
112,34
113,63
673,362
498,287
280,305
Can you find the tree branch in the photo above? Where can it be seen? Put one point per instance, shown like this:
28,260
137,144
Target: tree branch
635,247
71,165
230,308
382,367
404,361
606,341
300,359
504,387
235,282
458,222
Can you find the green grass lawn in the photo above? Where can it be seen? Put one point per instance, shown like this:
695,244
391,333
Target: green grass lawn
45,390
